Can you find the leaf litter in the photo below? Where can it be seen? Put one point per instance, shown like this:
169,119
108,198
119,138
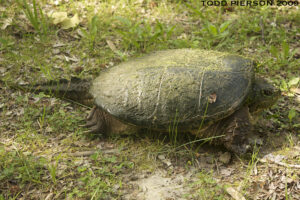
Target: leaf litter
271,178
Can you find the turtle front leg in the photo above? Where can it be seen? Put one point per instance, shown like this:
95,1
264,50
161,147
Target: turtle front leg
239,135
96,121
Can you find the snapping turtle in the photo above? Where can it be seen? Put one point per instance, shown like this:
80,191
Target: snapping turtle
207,93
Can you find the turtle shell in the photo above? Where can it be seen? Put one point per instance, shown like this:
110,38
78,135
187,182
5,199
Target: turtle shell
185,88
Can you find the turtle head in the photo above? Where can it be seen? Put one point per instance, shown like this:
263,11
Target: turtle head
264,95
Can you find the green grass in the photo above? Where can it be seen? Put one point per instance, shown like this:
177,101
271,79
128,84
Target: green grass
18,169
38,135
35,16
91,34
143,36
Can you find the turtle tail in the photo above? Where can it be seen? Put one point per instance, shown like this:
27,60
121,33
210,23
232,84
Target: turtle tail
75,89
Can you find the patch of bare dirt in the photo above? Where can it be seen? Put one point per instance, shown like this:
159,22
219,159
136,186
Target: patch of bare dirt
159,185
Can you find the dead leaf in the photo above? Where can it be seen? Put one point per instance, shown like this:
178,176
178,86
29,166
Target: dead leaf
8,113
277,159
62,19
82,154
212,98
48,129
255,170
234,194
73,59
111,46
226,171
296,90
14,189
55,51
20,112
161,157
274,158
164,160
2,70
297,54
70,22
49,196
59,17
6,22
59,45
152,4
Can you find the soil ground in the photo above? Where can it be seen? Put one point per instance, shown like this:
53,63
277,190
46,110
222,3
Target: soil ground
46,154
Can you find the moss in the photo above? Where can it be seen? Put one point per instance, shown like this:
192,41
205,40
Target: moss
150,90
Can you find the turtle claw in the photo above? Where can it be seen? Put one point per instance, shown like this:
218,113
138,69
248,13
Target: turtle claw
91,114
91,123
95,122
94,129
88,124
82,125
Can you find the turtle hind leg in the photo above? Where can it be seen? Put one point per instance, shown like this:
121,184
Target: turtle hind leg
97,121
104,123
238,130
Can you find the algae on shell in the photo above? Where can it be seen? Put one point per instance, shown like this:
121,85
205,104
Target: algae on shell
175,85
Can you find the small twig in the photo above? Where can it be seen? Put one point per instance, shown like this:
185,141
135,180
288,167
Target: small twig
88,153
82,153
264,160
234,194
77,103
216,162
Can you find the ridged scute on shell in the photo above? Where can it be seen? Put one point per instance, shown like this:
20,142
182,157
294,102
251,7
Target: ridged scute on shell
180,87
